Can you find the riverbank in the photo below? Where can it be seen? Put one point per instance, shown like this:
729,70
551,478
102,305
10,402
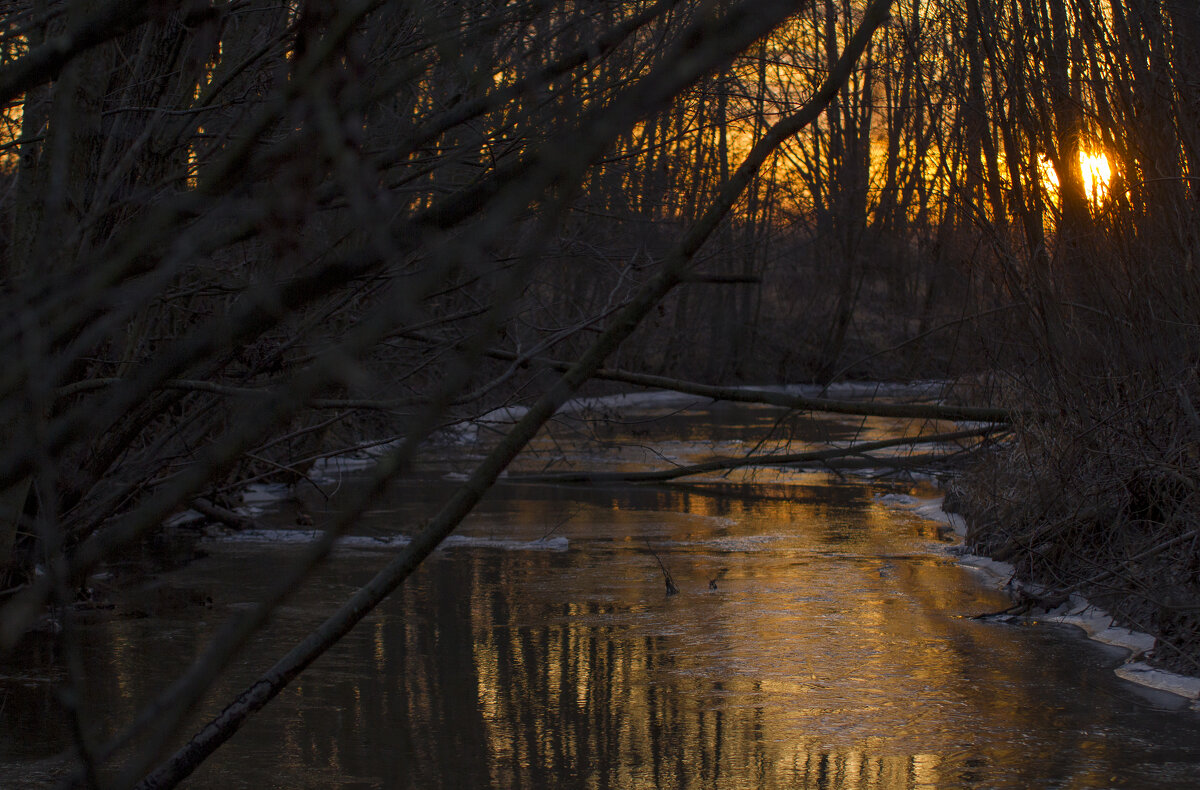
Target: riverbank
1098,624
1076,611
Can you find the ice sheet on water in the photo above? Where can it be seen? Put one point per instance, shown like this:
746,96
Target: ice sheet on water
258,498
544,544
383,542
668,398
1147,675
929,508
740,543
459,433
470,431
266,536
932,509
505,414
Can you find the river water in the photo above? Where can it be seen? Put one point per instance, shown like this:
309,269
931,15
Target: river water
539,649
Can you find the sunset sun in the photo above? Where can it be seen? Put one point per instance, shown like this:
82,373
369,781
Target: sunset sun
1094,170
1096,174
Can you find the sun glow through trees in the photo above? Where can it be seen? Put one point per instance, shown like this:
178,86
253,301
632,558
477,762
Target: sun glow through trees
1095,175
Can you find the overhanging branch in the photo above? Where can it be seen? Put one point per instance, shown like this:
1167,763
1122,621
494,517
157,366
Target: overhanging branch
783,459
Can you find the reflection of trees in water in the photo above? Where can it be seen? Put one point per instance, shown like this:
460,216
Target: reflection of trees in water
563,694
239,234
545,669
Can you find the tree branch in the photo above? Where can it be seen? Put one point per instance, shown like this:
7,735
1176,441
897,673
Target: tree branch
737,30
784,459
109,21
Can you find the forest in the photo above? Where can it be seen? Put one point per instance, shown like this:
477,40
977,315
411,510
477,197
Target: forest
238,236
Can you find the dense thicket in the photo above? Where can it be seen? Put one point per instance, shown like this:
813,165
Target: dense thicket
1098,492
271,231
237,235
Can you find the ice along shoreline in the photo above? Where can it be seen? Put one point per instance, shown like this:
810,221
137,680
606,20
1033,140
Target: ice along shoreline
1077,611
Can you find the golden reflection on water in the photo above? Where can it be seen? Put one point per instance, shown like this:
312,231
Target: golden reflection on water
825,659
831,655
706,690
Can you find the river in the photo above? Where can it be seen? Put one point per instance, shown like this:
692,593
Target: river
820,639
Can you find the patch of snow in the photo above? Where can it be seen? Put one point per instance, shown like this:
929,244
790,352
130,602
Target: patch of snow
896,500
972,425
184,517
258,493
352,460
931,509
1134,641
845,390
458,433
887,389
467,431
1143,674
503,415
266,536
999,571
543,544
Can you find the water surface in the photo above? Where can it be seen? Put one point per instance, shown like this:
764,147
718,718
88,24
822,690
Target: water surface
540,648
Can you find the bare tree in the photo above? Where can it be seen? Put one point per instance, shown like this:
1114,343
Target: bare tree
244,229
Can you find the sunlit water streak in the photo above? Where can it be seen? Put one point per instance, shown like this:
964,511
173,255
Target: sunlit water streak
833,653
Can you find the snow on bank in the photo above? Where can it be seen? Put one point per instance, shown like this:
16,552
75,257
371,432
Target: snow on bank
382,542
257,494
1100,626
932,389
1077,611
931,510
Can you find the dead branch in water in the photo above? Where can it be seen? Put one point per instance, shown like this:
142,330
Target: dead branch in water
920,411
856,451
672,589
